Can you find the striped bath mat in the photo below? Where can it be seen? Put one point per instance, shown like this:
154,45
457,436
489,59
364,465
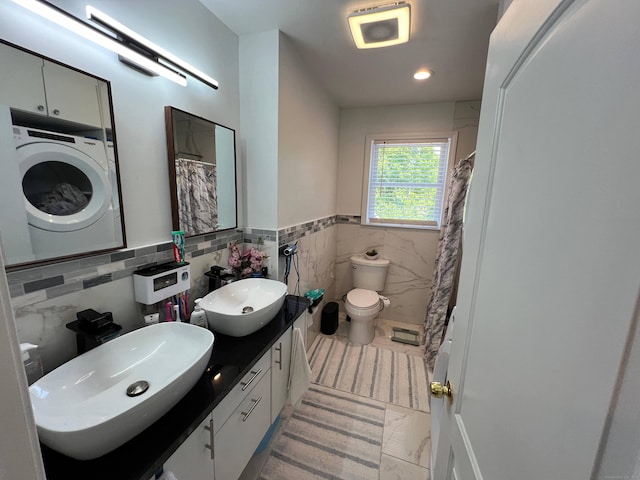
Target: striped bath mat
385,375
331,434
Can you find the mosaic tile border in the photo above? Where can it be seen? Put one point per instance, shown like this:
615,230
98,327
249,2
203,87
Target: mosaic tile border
51,281
256,235
291,234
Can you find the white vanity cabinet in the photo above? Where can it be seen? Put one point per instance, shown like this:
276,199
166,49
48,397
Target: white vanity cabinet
39,86
194,459
280,364
240,420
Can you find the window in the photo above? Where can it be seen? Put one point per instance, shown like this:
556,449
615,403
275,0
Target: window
406,180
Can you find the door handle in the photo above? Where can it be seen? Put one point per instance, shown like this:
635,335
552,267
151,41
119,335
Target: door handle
438,390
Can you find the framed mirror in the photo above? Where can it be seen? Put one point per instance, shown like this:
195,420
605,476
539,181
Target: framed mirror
60,188
202,173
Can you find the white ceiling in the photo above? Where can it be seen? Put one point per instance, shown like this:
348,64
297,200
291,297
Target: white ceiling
449,37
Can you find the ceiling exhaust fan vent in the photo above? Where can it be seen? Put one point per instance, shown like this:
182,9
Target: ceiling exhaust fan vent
381,26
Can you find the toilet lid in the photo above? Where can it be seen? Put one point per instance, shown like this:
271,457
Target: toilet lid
359,297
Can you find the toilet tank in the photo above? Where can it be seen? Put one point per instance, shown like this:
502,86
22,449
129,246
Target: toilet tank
369,274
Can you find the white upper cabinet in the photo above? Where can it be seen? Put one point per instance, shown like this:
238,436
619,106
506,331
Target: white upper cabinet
22,85
71,95
45,88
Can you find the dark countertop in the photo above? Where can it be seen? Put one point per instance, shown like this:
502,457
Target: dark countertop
142,456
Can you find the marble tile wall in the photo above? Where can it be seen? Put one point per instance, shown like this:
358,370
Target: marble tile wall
412,255
316,263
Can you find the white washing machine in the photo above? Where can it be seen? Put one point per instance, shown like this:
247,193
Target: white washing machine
115,200
437,404
67,192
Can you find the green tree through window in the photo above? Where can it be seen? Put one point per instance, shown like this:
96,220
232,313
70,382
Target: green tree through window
406,181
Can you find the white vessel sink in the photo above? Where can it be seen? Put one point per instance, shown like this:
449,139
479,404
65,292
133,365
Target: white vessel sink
242,307
82,408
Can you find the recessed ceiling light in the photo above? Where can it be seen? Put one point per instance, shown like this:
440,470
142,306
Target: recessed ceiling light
381,26
422,74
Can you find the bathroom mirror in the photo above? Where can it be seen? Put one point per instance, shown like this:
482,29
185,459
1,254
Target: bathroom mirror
202,173
60,188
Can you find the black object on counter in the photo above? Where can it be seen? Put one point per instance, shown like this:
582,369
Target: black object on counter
329,322
93,329
217,278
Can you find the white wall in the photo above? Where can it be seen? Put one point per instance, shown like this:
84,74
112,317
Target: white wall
185,28
259,113
356,123
19,450
411,252
307,143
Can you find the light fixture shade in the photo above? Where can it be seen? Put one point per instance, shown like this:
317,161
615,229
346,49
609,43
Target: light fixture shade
381,26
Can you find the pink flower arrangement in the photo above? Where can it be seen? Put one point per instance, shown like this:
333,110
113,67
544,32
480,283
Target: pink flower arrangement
247,263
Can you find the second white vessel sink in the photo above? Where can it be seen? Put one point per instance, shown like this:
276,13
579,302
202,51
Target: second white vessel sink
101,399
243,307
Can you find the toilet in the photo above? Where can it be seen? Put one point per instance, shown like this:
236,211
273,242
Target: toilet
363,303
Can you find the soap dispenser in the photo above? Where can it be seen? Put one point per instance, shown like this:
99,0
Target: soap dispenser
32,362
199,316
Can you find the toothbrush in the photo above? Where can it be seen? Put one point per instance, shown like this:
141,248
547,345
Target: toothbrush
169,317
176,311
186,305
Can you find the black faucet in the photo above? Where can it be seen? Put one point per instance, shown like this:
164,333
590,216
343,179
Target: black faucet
93,329
217,278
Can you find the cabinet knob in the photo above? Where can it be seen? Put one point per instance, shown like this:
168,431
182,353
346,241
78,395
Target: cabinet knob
56,112
40,108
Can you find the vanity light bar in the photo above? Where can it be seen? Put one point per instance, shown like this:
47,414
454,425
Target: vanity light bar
63,19
138,40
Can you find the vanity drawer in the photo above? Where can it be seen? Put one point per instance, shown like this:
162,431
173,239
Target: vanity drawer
239,437
229,403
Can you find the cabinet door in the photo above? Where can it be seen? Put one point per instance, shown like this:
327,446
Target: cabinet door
236,441
21,84
192,460
280,363
71,95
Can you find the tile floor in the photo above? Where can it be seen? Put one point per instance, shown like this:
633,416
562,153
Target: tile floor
406,445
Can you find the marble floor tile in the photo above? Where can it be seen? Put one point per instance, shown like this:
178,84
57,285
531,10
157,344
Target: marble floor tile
392,468
407,435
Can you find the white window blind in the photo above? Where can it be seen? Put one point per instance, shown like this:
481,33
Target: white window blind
407,181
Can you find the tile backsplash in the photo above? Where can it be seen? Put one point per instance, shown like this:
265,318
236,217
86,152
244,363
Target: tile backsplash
50,281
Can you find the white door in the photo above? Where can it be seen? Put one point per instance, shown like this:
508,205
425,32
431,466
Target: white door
551,269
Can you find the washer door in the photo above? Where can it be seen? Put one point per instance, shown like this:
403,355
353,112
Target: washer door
64,189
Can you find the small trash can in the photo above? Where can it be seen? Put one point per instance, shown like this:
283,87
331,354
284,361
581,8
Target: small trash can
329,322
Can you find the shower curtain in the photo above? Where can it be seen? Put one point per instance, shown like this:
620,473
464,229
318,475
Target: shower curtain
197,198
447,259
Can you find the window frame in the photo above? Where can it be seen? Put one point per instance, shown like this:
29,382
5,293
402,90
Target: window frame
451,137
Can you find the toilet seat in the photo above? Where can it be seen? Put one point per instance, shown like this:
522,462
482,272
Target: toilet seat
362,300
